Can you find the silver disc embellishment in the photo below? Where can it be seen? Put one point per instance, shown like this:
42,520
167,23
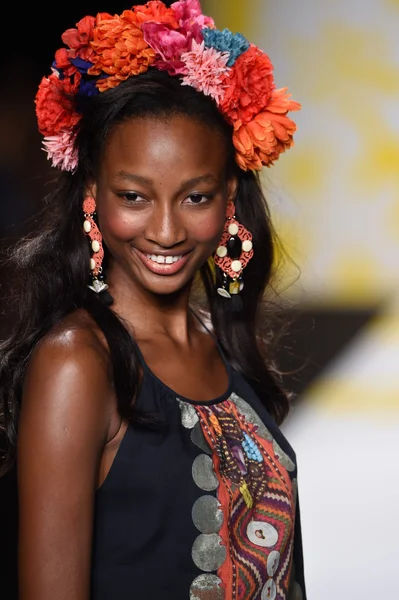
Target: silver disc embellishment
208,552
251,416
269,591
207,587
273,561
204,474
198,438
207,515
189,416
262,534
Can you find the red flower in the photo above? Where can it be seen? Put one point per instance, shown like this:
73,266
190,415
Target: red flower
78,42
63,63
262,140
54,104
249,86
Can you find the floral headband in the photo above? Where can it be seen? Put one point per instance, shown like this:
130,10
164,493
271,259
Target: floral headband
104,50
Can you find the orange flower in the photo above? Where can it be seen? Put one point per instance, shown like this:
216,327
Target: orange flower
249,86
157,12
120,49
262,140
54,105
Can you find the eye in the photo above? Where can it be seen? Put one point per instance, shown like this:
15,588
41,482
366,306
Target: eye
198,198
131,197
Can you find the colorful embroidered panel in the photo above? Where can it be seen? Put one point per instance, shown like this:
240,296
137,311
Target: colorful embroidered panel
246,532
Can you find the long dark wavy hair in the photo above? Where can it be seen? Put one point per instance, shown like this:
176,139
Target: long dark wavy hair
49,268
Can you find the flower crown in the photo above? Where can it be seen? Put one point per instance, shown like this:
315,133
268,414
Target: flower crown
104,50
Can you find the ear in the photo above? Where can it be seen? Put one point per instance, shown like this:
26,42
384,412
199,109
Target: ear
91,189
232,187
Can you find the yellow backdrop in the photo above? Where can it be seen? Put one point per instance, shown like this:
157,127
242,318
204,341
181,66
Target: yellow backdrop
335,195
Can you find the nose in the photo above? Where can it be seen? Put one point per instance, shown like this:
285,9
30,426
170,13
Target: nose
165,227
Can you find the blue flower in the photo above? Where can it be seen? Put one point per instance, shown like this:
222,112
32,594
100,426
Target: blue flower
226,41
82,65
87,88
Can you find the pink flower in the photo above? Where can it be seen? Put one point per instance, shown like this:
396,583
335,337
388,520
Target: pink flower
191,20
168,44
189,12
205,70
61,151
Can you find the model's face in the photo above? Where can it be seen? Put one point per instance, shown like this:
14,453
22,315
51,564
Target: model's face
161,200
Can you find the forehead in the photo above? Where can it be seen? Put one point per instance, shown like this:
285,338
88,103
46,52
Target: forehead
165,146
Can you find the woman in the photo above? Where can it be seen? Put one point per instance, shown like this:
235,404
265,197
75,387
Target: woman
149,458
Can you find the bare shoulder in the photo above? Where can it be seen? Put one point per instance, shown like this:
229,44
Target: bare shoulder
68,372
75,343
77,333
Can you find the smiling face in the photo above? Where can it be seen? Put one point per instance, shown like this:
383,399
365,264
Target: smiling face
161,200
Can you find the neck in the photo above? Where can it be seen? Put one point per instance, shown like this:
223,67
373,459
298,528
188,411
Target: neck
147,313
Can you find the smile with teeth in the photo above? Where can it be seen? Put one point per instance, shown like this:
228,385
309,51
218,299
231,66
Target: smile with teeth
168,260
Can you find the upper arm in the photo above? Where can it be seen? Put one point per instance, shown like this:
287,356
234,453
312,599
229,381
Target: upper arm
62,431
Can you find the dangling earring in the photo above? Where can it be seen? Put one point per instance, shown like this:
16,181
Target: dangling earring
232,256
98,284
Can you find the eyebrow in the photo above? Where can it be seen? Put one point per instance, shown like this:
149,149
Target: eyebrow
134,178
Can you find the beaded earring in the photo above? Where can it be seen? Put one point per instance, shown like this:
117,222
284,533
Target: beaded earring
232,256
98,284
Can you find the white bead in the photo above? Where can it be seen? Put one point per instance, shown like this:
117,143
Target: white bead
95,246
92,264
87,226
221,251
236,266
247,245
233,229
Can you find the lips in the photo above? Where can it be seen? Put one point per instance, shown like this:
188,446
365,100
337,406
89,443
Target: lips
163,264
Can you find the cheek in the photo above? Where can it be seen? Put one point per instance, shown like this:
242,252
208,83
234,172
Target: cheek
209,228
120,225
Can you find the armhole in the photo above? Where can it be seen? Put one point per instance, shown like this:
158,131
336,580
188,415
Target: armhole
115,460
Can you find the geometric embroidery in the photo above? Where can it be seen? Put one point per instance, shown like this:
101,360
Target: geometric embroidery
245,549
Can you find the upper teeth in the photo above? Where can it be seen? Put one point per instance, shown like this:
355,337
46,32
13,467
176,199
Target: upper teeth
164,259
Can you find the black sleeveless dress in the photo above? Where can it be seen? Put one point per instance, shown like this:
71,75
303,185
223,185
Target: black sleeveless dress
203,507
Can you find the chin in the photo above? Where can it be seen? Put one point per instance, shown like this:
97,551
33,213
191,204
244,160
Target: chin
166,291
162,285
